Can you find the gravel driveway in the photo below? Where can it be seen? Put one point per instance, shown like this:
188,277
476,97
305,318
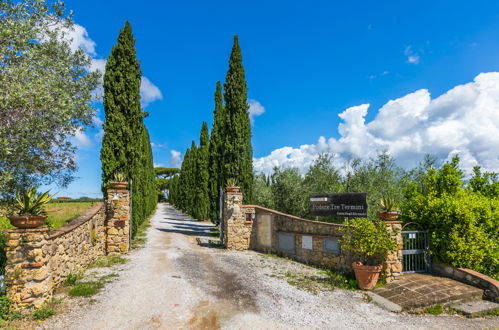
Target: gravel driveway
173,283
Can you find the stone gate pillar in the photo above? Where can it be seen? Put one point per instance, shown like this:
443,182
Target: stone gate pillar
392,266
237,231
118,221
27,272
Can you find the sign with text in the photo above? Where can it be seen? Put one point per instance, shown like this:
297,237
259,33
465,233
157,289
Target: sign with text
346,205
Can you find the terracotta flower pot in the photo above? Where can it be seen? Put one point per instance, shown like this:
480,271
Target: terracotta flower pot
233,188
367,276
27,221
118,184
389,216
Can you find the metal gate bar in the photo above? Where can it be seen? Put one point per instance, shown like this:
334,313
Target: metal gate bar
415,251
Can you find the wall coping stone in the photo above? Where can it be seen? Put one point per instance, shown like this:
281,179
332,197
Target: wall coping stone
301,233
292,216
27,230
89,214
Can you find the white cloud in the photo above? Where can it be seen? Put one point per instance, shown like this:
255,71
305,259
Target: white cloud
82,139
255,109
175,158
412,57
158,165
149,92
464,121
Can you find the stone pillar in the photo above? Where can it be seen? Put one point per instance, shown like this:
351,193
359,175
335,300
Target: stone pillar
392,266
237,231
118,221
27,271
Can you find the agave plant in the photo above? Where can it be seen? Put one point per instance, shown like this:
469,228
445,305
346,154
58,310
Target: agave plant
231,182
30,202
120,177
388,204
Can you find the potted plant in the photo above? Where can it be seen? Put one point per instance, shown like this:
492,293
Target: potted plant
29,207
389,209
232,185
119,181
371,241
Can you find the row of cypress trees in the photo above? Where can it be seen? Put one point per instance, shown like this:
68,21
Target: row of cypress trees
126,146
227,154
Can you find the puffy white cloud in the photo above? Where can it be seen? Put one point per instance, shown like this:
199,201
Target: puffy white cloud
255,109
149,92
175,158
82,139
464,121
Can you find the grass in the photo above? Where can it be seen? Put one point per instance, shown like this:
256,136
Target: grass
107,262
140,237
90,288
434,310
65,212
215,232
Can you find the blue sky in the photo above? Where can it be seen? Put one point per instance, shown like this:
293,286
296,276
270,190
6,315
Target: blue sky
306,63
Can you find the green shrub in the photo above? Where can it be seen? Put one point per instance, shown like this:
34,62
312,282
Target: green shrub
341,280
369,238
434,310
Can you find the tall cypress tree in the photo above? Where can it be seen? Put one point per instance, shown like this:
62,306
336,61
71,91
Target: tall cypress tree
238,152
215,154
202,203
125,145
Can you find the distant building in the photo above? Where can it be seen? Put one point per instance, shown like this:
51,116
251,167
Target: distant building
64,197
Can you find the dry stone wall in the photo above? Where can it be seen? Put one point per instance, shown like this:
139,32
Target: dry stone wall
77,244
39,260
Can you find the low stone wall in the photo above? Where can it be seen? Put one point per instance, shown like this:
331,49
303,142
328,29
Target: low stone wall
77,244
39,260
311,242
471,277
307,241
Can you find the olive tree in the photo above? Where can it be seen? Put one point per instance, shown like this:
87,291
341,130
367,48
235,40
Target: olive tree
46,94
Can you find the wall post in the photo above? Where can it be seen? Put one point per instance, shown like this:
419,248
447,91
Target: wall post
237,231
118,221
28,276
392,266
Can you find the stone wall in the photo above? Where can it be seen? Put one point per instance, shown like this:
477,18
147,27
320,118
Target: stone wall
38,260
77,244
311,242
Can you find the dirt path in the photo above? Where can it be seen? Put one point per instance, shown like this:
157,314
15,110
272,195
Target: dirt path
173,283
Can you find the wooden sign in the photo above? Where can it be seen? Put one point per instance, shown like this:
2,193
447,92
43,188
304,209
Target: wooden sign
346,205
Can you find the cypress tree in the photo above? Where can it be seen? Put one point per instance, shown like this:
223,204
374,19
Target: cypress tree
238,152
126,145
202,202
215,154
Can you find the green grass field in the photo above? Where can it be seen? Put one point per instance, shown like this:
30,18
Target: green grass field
59,214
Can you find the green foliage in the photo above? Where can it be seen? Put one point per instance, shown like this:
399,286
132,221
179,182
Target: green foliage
166,172
120,177
5,305
263,191
287,191
369,238
344,281
42,313
486,183
434,310
126,146
108,262
463,225
388,204
215,154
29,202
237,150
71,279
201,204
85,289
45,94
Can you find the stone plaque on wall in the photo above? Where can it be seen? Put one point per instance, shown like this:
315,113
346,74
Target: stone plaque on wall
264,231
306,242
286,243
